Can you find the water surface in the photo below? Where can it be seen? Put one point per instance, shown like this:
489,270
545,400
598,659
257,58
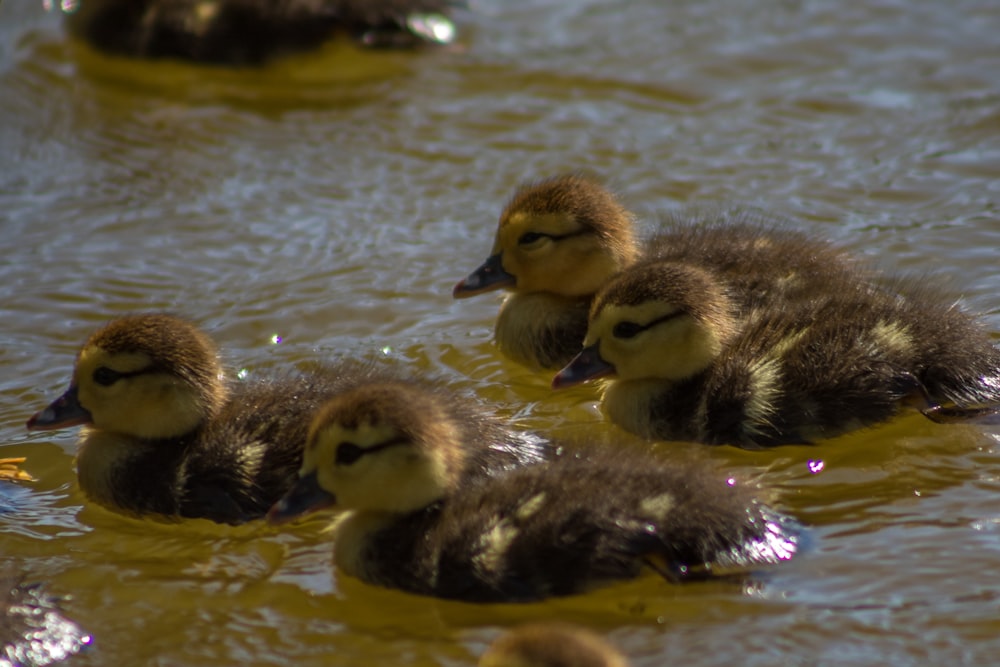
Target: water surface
330,202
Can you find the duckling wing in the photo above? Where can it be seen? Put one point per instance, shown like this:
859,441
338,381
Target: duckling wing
249,456
564,527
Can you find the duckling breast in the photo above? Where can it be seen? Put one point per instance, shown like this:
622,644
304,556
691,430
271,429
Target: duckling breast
541,330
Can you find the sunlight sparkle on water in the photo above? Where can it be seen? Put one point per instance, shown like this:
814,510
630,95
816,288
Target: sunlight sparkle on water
66,6
276,339
243,373
815,466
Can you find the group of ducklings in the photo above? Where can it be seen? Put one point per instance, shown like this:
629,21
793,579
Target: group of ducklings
728,329
733,331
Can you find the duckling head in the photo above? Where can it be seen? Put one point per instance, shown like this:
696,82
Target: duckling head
383,447
564,235
662,321
150,376
551,645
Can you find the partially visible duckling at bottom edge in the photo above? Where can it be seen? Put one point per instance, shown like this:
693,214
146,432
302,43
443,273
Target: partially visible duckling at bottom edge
560,239
551,645
393,462
684,364
33,630
251,32
166,434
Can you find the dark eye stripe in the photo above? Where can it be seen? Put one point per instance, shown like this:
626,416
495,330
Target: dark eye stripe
348,452
531,237
628,329
106,377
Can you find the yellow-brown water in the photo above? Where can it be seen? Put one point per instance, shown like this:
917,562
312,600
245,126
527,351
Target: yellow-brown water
331,201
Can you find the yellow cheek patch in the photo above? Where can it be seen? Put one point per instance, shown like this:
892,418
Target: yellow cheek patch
321,451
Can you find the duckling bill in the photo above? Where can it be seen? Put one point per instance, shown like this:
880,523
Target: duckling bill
414,520
684,362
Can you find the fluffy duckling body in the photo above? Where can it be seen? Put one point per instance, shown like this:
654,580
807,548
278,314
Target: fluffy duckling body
685,362
560,239
165,433
551,645
250,32
414,523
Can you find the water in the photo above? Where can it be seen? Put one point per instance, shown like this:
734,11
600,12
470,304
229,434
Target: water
331,201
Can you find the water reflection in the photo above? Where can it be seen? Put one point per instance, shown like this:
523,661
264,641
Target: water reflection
337,210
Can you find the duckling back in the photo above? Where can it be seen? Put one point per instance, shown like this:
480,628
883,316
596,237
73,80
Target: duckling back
758,255
578,522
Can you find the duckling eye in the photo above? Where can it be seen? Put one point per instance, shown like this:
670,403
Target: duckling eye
347,453
626,330
106,377
530,237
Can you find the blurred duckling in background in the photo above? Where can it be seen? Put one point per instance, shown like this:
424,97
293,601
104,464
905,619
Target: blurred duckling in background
396,464
33,630
685,364
166,434
251,32
551,645
560,239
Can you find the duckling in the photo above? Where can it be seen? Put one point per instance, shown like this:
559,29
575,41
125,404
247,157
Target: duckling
684,363
551,645
560,239
251,32
395,464
166,434
33,630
